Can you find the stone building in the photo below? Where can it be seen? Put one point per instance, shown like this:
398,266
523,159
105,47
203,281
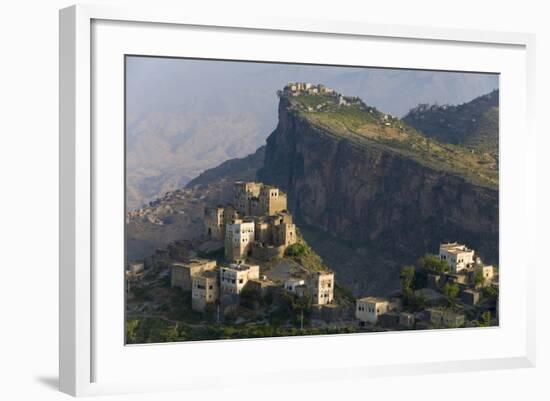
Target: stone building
292,284
214,222
262,285
216,219
235,276
257,199
261,251
243,192
457,256
258,216
239,236
445,318
470,297
204,290
369,309
284,230
275,230
298,88
181,273
271,201
487,272
406,320
321,287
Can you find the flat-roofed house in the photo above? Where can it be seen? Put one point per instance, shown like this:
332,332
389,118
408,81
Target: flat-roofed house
445,318
239,236
181,273
243,192
293,283
271,200
235,276
470,297
214,222
369,309
488,273
321,287
205,290
457,256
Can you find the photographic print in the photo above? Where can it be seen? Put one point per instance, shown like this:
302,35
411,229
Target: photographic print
279,199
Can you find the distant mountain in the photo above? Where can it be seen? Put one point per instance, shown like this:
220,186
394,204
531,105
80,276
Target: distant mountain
243,169
474,124
187,116
177,215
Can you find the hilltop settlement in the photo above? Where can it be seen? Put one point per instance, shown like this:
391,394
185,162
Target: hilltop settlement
260,274
252,274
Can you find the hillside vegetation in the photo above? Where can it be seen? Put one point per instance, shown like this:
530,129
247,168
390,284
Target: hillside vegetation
473,124
365,126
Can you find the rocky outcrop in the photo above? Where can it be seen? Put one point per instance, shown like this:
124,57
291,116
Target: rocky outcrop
375,197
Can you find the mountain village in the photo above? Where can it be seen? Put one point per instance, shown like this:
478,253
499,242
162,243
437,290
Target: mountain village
451,289
254,229
251,273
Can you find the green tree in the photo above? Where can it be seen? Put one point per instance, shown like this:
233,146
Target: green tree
479,280
407,281
491,292
485,319
451,292
301,307
433,263
251,297
297,249
131,331
418,302
407,276
171,333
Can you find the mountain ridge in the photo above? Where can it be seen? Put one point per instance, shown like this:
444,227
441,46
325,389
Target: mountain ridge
473,124
367,209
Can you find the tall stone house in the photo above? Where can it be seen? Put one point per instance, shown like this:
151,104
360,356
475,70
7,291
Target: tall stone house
256,223
239,237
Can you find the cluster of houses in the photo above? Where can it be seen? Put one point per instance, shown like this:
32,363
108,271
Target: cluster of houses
256,224
465,270
306,88
211,284
257,227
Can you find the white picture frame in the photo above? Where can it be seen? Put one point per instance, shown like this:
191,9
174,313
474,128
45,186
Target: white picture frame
88,366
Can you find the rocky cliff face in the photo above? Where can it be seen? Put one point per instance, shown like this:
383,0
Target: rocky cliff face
375,198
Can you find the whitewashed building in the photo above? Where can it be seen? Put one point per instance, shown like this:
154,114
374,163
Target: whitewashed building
457,256
368,309
239,236
293,283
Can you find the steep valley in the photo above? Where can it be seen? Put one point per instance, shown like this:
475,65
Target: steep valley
369,193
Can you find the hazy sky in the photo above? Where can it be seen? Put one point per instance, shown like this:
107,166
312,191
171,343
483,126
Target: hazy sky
167,84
